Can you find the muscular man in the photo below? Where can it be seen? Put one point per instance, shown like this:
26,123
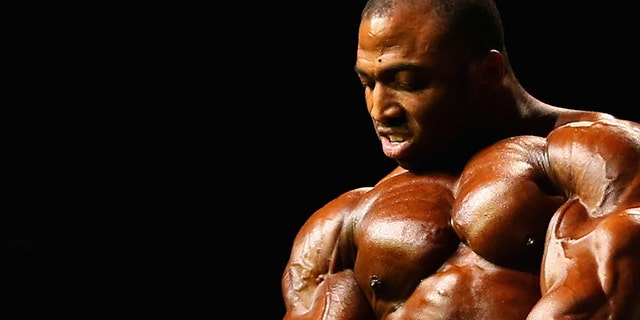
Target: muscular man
502,206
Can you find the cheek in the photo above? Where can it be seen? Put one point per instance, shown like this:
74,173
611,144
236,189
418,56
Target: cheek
430,105
443,113
368,99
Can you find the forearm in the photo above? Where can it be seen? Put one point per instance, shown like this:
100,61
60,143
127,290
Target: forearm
337,297
592,275
316,283
592,250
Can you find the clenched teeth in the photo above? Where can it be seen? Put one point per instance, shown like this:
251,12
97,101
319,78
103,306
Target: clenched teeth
394,138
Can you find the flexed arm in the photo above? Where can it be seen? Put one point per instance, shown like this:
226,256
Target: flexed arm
592,255
316,283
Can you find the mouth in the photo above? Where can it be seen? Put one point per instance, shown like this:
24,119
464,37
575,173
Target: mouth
394,144
394,138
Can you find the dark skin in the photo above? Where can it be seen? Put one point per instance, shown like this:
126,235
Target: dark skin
592,255
459,229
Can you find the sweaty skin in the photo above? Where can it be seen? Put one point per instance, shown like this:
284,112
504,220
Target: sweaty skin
396,242
592,257
469,287
502,207
405,257
391,236
504,194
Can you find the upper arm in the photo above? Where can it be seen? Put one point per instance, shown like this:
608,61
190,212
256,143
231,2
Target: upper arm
597,162
593,244
314,248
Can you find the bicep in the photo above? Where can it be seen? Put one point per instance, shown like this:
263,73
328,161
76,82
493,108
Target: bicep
598,162
314,247
593,242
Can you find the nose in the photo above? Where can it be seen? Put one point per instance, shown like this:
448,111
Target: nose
383,107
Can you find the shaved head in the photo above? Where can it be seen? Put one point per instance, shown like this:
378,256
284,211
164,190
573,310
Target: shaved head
473,26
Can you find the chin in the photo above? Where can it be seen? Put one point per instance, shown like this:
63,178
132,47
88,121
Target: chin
439,164
411,165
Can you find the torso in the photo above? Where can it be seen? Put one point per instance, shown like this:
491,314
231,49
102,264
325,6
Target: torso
469,287
457,247
411,264
404,237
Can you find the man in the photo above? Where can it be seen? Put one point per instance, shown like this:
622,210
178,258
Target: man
502,206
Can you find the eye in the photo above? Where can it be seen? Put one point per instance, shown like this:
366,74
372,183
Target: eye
410,81
366,81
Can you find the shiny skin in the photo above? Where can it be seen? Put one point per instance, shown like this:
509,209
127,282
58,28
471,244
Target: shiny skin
481,217
592,257
392,236
404,260
413,89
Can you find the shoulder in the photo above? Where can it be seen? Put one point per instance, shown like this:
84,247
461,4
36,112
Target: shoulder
599,135
567,116
598,161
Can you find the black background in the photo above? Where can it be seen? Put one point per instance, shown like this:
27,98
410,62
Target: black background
219,133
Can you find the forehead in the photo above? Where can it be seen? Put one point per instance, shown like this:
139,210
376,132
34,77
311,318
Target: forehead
406,36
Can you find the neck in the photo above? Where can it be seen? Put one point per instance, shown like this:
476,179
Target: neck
513,111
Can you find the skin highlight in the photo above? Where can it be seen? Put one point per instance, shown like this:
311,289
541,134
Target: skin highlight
501,207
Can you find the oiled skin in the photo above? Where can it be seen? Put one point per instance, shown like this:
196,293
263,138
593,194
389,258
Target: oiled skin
396,237
469,287
392,236
406,262
502,207
592,257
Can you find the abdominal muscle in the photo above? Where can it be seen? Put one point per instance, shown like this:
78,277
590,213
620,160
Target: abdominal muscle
469,287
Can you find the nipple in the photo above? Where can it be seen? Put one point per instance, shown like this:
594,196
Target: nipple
530,242
375,283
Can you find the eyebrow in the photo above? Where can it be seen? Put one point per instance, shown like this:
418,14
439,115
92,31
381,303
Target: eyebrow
393,69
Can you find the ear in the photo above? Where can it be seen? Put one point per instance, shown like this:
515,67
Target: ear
490,70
